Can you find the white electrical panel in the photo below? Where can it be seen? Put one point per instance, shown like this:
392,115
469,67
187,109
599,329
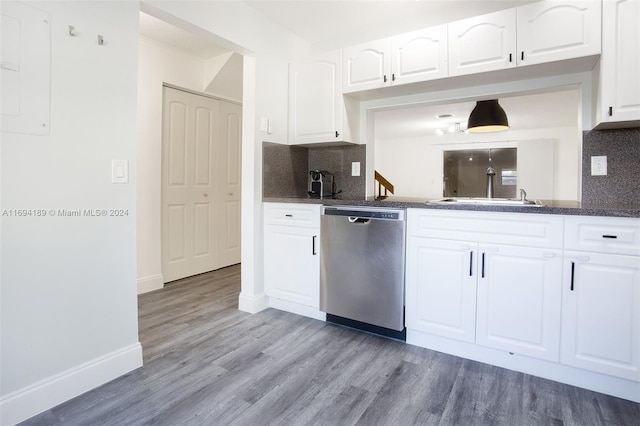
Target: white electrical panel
25,64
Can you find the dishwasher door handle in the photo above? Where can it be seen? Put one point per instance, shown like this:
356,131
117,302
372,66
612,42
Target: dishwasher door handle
353,219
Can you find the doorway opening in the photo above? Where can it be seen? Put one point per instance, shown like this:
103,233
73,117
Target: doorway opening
189,154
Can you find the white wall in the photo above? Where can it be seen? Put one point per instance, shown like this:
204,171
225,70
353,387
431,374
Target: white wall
69,283
414,165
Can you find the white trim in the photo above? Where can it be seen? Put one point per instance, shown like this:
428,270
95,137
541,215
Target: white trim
45,394
147,284
203,94
252,304
296,308
603,383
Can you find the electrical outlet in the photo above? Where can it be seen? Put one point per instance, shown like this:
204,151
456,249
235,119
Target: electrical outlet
355,168
599,166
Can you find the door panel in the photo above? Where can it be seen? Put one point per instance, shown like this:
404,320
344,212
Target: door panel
482,43
580,35
203,144
441,287
601,314
419,55
176,230
228,202
519,292
190,135
366,66
177,143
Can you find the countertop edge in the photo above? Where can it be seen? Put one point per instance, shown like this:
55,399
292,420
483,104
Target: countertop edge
552,207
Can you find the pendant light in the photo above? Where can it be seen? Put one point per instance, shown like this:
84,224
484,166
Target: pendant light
487,116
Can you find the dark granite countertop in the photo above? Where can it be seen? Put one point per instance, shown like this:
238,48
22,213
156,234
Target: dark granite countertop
550,207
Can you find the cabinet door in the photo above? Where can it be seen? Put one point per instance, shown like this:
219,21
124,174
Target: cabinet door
315,99
519,291
366,66
483,43
601,313
292,265
441,287
419,55
551,31
620,61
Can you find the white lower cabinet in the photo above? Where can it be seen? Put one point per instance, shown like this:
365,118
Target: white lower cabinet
601,296
291,253
548,295
519,294
441,287
502,296
601,313
292,265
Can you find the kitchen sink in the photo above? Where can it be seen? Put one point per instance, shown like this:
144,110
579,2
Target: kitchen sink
488,201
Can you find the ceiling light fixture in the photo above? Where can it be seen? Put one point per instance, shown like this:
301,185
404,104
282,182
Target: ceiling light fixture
487,116
454,128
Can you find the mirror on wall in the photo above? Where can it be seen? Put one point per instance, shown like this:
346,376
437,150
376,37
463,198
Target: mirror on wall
489,172
412,145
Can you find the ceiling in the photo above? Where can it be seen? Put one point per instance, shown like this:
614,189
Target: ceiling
156,29
332,24
536,111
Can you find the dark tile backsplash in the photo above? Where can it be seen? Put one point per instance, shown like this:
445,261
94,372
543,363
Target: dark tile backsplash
337,160
285,169
622,182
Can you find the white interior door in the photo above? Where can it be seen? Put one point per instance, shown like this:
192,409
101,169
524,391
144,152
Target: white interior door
228,202
189,155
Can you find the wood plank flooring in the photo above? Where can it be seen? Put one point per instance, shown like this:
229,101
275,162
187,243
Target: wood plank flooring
206,363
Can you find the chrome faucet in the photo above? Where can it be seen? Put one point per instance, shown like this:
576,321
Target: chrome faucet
523,195
491,172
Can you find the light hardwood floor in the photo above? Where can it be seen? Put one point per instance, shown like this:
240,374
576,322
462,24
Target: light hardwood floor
206,363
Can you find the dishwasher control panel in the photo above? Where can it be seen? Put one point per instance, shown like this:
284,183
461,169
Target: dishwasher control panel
368,213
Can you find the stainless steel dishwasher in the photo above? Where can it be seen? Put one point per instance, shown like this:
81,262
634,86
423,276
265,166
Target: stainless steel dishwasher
362,254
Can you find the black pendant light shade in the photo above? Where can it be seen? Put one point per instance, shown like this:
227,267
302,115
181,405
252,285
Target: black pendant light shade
487,116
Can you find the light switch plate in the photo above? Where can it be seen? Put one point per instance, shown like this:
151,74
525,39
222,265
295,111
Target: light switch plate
119,171
355,168
599,166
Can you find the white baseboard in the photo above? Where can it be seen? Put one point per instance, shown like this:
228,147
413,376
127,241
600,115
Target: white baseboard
597,382
147,284
252,304
45,394
296,308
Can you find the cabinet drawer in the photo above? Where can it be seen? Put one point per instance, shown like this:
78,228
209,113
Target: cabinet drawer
522,229
603,235
307,215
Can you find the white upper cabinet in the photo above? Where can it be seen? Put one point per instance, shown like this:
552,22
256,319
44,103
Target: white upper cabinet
552,31
366,66
544,31
406,58
483,43
620,63
316,108
419,55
